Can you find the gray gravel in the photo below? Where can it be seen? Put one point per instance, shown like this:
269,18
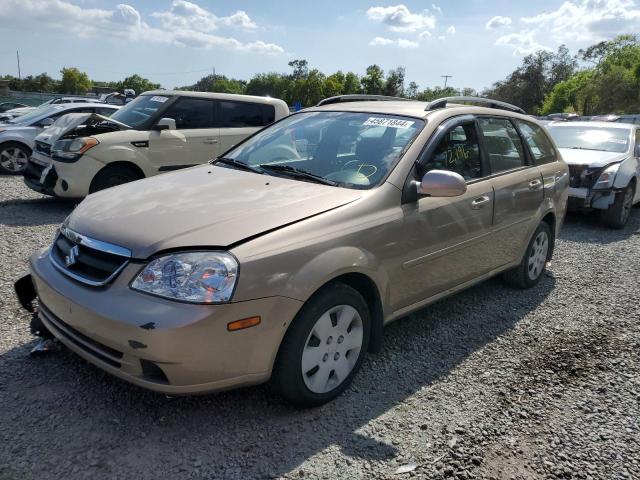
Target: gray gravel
491,383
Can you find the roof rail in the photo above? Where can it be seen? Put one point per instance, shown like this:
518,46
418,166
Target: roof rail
358,98
442,102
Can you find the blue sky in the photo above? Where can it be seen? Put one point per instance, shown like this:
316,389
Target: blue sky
175,42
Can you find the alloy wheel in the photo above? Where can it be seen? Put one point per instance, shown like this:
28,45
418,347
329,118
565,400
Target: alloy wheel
627,204
332,348
538,255
13,159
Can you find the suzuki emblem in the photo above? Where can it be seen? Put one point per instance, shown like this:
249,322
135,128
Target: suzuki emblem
71,259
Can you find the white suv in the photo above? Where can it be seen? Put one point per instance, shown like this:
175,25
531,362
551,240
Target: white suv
159,131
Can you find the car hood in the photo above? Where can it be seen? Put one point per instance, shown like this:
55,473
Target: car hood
70,121
204,206
593,158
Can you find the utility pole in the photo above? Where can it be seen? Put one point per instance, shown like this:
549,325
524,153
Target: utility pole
446,77
213,81
18,57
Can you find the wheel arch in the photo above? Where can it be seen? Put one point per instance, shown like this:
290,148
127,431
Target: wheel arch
120,163
550,219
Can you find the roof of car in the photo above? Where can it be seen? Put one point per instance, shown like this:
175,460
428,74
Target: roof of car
413,108
593,124
214,95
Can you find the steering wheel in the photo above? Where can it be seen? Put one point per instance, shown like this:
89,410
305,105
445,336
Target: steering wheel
365,169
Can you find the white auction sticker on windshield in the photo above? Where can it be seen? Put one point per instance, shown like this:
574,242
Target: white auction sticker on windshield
387,122
158,99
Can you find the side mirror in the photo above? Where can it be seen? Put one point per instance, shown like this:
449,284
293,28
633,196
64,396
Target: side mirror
47,122
441,183
165,124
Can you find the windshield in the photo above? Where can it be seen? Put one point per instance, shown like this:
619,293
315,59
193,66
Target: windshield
354,150
138,112
41,112
591,138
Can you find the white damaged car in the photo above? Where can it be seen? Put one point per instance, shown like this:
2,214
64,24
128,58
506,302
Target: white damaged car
604,166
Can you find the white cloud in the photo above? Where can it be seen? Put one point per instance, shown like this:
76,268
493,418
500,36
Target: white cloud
522,43
436,8
398,18
497,22
588,20
185,24
400,42
425,34
451,30
188,15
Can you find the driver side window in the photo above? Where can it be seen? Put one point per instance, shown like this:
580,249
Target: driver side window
459,152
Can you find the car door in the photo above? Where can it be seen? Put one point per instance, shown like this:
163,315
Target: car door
194,141
447,240
517,185
237,120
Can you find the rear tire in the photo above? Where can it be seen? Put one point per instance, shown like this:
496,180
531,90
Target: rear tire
112,176
617,215
324,347
13,158
533,264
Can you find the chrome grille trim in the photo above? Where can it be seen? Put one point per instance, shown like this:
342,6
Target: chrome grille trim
93,244
99,245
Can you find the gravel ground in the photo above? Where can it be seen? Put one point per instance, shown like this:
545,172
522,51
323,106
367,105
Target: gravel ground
492,383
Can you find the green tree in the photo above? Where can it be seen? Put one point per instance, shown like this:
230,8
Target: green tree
412,90
74,81
373,81
351,84
138,83
394,85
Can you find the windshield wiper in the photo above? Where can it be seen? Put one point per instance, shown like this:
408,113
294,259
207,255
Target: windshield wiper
296,172
585,148
237,164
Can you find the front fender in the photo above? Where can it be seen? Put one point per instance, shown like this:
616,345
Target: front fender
626,172
330,265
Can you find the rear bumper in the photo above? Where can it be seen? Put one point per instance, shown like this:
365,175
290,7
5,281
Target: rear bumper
165,346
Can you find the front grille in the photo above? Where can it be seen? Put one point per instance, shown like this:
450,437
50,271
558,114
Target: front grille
581,176
87,260
102,352
43,148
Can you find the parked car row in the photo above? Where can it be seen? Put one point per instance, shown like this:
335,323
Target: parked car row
17,136
283,258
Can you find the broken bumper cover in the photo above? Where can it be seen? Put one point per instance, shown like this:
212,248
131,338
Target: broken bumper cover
166,346
39,177
586,198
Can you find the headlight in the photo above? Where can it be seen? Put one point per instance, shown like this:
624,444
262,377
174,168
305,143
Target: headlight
606,178
70,150
196,277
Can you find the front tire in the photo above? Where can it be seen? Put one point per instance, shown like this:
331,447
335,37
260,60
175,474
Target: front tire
324,347
533,264
13,158
617,215
112,176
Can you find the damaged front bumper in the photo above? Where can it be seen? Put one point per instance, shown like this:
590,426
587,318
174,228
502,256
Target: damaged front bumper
587,198
40,176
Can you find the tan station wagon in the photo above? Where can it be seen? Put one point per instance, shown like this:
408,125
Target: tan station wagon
284,259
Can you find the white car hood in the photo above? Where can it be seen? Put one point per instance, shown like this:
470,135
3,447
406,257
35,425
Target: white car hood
593,158
70,121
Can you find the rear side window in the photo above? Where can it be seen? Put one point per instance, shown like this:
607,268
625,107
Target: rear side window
502,143
190,113
539,144
244,114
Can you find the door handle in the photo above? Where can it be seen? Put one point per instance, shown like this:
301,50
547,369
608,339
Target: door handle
211,141
535,184
480,202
